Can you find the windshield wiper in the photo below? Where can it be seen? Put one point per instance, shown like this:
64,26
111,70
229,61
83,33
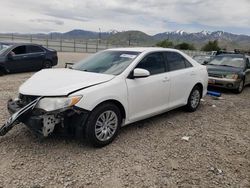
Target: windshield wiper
227,65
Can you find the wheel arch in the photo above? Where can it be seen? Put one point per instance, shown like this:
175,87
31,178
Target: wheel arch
48,60
117,103
200,86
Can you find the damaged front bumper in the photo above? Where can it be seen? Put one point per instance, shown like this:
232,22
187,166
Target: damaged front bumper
18,114
44,123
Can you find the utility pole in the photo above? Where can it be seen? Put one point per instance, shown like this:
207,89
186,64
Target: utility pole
129,39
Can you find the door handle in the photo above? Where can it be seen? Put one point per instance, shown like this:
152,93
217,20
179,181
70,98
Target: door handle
192,73
166,79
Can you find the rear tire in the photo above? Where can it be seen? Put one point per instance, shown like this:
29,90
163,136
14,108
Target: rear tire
103,125
47,64
194,99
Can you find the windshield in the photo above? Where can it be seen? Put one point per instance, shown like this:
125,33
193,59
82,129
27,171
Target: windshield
107,62
3,48
228,61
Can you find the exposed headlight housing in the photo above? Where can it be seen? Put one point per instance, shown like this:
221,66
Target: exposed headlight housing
56,103
232,76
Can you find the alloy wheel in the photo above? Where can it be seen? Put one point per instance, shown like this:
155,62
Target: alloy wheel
195,98
106,125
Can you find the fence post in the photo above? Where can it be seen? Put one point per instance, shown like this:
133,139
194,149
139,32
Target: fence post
47,43
12,36
30,38
97,45
74,45
61,44
107,44
86,46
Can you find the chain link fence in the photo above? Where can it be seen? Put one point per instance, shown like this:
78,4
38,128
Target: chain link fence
76,45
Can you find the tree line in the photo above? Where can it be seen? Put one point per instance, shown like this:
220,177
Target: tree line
209,46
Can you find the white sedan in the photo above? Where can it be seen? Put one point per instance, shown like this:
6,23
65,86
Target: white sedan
112,88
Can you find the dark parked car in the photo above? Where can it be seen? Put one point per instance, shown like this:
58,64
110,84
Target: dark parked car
25,57
230,71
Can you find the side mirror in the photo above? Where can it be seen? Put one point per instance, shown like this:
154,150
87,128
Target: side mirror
140,73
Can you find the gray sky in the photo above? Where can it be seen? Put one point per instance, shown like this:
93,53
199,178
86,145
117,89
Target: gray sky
31,16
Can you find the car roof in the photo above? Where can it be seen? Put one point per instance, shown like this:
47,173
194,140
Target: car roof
200,55
18,44
231,55
142,49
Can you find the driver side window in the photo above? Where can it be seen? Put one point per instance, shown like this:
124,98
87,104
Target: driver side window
19,50
154,63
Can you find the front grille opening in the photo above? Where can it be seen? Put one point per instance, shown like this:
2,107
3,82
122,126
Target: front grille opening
26,99
215,75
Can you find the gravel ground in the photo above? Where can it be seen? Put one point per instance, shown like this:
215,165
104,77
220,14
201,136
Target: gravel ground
150,153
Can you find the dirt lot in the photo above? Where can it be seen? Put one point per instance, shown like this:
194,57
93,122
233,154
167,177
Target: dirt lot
150,153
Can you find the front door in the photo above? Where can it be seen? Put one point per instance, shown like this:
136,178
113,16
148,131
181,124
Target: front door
18,61
149,96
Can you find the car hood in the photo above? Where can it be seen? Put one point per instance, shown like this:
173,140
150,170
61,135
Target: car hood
222,69
61,82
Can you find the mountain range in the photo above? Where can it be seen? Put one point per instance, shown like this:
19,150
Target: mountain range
226,40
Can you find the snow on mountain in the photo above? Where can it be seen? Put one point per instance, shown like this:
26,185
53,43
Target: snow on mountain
205,32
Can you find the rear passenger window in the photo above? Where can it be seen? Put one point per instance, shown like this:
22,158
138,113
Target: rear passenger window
154,63
177,61
34,49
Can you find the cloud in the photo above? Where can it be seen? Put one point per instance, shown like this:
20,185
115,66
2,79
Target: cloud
147,15
39,20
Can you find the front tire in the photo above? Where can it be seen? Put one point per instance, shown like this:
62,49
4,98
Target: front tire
194,99
2,72
103,125
240,88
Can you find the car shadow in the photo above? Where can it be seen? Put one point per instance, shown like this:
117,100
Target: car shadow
220,90
56,138
224,91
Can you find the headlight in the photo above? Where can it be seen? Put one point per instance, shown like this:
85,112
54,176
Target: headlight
232,76
55,103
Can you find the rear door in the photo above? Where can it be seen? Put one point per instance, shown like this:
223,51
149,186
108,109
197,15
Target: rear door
36,57
149,96
183,76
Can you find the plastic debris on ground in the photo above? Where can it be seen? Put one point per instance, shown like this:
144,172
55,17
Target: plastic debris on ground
186,138
216,170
